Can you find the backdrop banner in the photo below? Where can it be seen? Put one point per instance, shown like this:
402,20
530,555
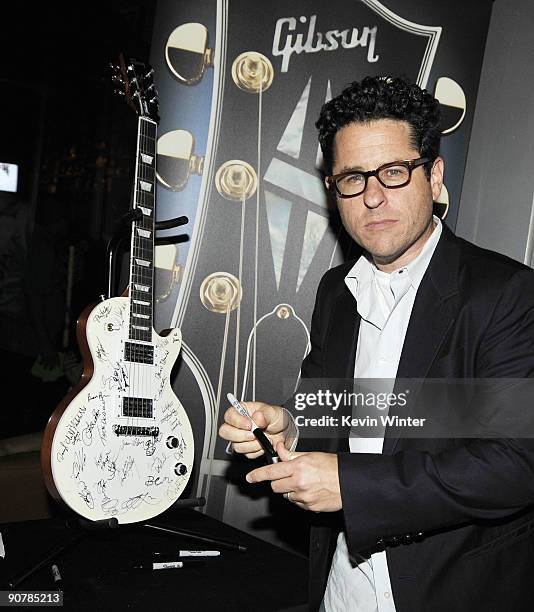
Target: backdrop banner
241,84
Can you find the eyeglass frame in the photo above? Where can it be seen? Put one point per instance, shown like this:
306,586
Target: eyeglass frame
411,164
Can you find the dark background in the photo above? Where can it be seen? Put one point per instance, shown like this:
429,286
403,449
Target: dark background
74,142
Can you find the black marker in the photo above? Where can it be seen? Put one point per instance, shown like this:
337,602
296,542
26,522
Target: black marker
165,565
270,453
2,552
57,577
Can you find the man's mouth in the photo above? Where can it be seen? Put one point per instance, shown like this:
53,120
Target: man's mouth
380,224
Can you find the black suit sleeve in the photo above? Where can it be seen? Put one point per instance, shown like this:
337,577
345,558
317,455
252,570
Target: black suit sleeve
413,491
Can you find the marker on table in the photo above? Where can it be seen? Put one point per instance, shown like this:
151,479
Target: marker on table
2,552
57,577
270,453
164,565
194,553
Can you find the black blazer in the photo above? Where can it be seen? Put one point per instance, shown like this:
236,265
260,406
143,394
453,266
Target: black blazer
456,517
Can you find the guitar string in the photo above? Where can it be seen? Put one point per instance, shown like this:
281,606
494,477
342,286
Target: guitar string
254,350
130,422
138,366
239,293
214,426
146,391
136,244
149,386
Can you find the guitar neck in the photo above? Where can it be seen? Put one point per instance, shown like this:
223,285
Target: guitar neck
142,246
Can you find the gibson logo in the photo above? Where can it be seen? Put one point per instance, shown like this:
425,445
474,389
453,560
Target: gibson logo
285,44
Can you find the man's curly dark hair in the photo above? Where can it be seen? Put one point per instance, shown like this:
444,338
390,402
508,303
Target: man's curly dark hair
380,97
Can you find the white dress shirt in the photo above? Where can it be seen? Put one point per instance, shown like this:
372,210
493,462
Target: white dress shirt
384,303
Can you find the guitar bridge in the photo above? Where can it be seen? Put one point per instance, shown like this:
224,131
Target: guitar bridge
133,430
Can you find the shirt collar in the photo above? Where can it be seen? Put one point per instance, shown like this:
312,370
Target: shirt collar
362,274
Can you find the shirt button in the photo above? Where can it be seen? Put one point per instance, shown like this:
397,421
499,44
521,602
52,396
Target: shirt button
387,594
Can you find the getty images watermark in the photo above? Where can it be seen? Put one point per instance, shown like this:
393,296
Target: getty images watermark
414,408
377,401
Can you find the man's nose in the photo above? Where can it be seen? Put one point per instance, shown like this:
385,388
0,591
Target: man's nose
374,194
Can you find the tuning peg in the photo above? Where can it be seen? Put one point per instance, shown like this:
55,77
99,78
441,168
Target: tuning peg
149,73
119,92
113,67
153,100
130,69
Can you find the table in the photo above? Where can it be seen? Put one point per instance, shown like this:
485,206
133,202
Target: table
98,572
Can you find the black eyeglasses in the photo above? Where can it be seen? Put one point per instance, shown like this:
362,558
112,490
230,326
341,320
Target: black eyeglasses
396,174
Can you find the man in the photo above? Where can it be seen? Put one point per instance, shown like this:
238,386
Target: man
416,524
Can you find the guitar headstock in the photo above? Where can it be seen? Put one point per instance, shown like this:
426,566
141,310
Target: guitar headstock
134,81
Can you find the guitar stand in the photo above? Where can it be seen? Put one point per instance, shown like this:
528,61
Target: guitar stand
86,526
123,231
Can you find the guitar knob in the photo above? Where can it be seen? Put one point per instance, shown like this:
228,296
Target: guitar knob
180,469
173,442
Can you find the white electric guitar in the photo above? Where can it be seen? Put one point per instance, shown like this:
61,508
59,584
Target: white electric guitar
120,443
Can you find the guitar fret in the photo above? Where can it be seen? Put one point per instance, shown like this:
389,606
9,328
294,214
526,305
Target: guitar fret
142,251
143,275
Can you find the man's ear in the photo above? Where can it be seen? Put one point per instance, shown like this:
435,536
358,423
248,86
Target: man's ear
436,177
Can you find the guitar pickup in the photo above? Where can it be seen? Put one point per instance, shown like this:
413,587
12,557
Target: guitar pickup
138,353
133,430
137,407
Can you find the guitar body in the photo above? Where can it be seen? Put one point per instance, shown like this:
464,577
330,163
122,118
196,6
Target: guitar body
122,446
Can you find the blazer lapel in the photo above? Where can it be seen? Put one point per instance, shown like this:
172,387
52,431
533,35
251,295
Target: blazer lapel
342,337
432,316
341,341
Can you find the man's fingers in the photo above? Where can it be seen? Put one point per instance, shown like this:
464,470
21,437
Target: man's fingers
274,471
254,455
283,485
270,418
243,448
233,434
286,455
233,418
260,419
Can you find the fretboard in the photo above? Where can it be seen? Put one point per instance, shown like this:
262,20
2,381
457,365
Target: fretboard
142,246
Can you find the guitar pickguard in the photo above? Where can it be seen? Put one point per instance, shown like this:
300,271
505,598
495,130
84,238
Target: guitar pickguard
124,446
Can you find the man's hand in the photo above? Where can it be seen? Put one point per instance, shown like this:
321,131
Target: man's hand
311,479
236,428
